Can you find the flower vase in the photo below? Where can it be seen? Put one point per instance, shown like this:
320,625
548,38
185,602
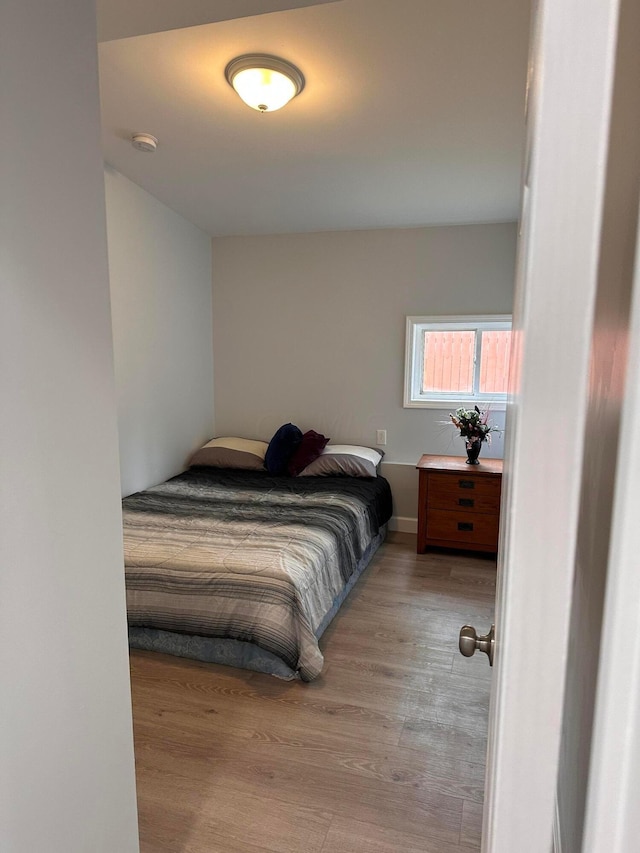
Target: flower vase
473,446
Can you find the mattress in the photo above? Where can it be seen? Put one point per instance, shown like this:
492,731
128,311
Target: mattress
261,562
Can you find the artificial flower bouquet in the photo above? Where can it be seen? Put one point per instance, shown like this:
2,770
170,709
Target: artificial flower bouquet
473,424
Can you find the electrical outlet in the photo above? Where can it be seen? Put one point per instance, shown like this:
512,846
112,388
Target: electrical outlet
381,436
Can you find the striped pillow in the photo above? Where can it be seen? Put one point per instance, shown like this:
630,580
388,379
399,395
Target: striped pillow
346,460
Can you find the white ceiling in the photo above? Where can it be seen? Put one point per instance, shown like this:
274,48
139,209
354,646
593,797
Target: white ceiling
119,19
412,114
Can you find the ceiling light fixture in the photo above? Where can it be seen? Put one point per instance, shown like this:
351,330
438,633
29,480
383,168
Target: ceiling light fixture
264,82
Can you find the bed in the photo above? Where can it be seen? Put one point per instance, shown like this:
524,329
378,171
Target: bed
245,568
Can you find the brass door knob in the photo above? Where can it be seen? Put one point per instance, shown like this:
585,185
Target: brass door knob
470,642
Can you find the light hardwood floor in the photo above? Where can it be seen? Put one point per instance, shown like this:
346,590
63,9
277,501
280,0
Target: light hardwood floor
384,753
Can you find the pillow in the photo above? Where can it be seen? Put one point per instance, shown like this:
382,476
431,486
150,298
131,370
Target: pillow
232,453
349,460
281,448
311,446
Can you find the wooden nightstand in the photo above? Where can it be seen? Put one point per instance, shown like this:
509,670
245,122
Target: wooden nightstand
458,504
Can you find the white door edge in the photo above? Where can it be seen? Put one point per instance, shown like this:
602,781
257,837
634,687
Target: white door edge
570,105
613,816
556,832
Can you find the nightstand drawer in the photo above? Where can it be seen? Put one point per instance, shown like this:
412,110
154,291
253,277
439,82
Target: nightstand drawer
462,527
472,493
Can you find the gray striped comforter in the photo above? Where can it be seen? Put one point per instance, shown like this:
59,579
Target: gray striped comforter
243,555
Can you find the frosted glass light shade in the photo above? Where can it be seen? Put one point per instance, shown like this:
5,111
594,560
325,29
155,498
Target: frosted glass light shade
265,83
263,89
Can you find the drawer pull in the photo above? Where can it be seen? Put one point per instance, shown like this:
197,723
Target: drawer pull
467,484
465,525
466,502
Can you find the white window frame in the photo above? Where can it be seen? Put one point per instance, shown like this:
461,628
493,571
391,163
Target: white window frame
414,398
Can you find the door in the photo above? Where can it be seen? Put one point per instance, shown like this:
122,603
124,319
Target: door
613,817
572,68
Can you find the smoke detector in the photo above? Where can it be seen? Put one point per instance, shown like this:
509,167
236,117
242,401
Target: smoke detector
144,142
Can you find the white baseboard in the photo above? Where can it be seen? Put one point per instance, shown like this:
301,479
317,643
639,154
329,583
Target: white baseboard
557,838
403,524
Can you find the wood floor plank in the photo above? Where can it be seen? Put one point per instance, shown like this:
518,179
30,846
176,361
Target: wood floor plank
296,784
432,771
409,677
476,667
471,832
350,836
433,583
400,675
398,650
434,631
384,752
413,594
417,605
442,696
167,829
279,741
407,571
246,707
466,744
213,818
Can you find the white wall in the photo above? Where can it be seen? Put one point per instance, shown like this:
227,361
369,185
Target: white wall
160,272
310,328
66,751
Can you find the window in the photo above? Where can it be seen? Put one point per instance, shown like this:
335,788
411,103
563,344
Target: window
457,360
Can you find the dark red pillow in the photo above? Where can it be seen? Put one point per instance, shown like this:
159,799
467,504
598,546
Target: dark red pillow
311,446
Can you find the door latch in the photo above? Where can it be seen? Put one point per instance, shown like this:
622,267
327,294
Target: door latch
470,642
